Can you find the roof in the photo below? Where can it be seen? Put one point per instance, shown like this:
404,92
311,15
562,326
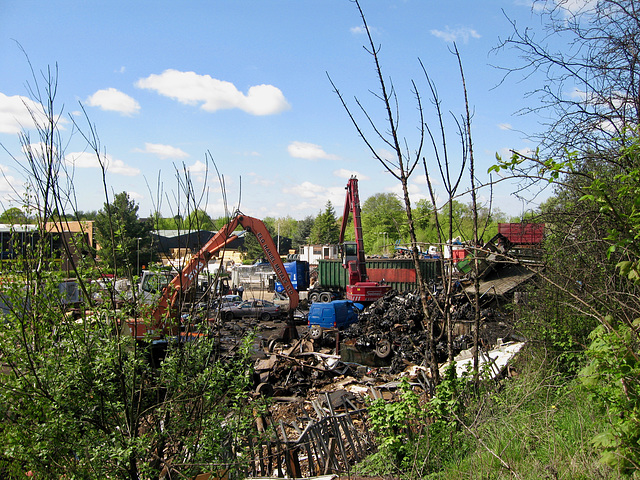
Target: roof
503,280
9,228
194,240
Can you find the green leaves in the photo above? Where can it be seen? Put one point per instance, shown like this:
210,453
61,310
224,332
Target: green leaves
613,379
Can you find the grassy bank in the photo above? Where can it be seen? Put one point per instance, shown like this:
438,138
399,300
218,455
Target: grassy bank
536,425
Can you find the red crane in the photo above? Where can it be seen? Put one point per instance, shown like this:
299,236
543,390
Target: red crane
359,289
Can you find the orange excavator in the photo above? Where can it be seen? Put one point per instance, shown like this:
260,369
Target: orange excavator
165,317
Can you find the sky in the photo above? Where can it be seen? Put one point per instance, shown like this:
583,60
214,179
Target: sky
237,96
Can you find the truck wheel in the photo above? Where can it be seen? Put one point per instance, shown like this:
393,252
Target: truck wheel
325,297
315,332
228,316
383,348
313,298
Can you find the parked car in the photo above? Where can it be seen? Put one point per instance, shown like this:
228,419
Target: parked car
231,299
262,309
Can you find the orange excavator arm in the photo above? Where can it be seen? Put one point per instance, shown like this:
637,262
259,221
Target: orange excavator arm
198,262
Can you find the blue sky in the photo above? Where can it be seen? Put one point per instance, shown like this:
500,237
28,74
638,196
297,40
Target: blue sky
164,83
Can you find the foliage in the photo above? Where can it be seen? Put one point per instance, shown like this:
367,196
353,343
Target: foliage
397,425
538,423
613,379
302,232
325,229
117,229
594,233
418,439
80,400
252,249
383,212
79,396
15,216
197,220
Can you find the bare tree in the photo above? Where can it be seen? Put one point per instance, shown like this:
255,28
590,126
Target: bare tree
403,165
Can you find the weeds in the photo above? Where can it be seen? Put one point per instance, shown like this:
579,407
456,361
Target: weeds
536,425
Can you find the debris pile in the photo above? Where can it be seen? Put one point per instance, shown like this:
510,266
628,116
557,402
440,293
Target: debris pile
393,328
318,385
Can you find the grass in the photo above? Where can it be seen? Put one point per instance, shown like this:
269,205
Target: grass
538,425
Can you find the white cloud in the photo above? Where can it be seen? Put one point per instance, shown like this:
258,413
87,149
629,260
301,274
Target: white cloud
8,184
455,34
197,167
15,113
114,101
361,30
505,126
89,160
571,7
415,192
344,173
163,151
311,196
135,196
213,94
387,155
258,180
309,151
305,190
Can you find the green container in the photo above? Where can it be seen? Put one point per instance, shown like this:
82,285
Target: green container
465,266
399,273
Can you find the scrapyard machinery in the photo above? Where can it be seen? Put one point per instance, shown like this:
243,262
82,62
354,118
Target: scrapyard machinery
360,288
165,317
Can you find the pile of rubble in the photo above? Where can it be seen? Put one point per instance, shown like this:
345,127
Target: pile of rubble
394,328
318,386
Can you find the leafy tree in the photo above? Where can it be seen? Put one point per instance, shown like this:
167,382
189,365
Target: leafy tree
82,399
118,229
589,154
163,223
252,249
285,226
88,215
303,232
424,214
325,228
383,212
198,220
14,216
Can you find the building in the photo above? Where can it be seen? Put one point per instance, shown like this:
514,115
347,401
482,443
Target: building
313,253
175,247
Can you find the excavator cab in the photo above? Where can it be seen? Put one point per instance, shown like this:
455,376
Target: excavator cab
349,253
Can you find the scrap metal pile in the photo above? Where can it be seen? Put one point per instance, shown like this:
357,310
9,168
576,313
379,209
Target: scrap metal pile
394,327
318,385
389,337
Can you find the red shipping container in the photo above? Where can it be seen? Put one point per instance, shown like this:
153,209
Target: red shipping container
522,233
459,254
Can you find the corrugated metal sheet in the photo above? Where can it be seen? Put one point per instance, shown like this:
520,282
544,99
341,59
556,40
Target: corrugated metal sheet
399,273
522,233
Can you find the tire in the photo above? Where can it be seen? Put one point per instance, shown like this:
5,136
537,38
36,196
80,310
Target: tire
313,298
228,316
315,332
325,297
383,348
265,317
265,389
